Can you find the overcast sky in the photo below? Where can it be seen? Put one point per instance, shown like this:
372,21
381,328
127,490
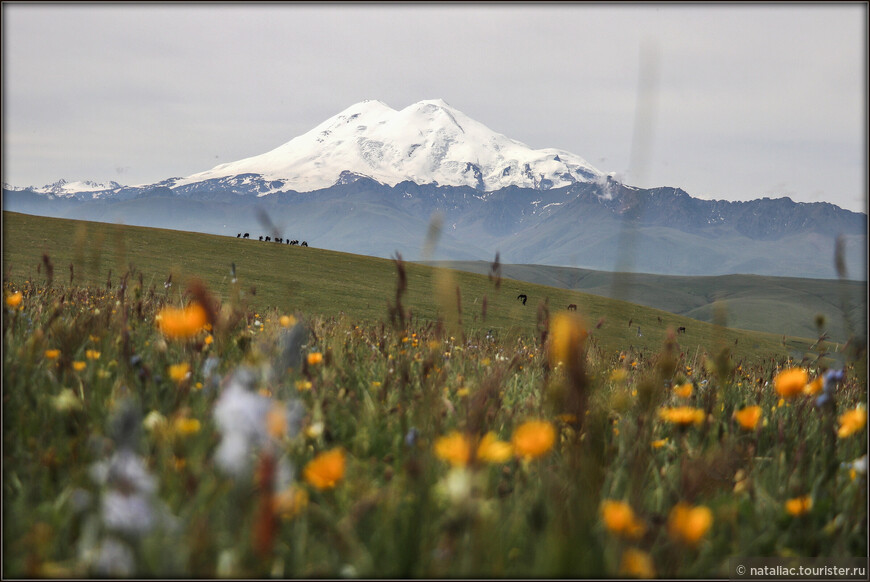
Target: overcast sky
735,101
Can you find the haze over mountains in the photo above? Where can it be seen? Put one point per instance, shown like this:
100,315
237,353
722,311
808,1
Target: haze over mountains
369,179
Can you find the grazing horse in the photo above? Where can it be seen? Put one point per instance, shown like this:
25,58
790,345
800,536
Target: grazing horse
246,235
572,307
681,329
239,235
522,297
268,239
304,243
261,237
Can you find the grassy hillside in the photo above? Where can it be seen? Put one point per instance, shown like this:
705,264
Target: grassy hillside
316,281
782,305
144,441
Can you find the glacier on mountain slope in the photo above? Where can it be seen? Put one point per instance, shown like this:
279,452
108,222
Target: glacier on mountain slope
427,142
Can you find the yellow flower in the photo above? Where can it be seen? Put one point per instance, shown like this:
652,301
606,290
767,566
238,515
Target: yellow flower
851,422
618,375
314,358
287,320
52,354
533,439
178,372
182,323
209,339
185,426
453,448
790,383
303,385
92,354
748,417
799,505
567,335
619,518
637,563
682,415
326,469
290,502
14,300
689,524
815,386
78,366
492,450
684,391
659,443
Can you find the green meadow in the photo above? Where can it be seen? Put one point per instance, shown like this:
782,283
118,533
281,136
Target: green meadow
309,413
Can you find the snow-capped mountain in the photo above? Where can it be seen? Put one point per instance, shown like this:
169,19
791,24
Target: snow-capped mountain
428,142
63,188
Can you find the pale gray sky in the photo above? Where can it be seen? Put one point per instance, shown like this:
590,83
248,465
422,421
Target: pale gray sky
744,100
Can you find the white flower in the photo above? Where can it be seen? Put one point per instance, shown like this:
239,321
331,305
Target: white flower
124,471
128,514
115,559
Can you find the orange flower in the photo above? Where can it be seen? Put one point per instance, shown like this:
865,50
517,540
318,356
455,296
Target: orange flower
682,415
182,323
619,518
637,563
659,443
748,417
14,300
52,354
326,469
290,502
78,366
851,422
689,524
799,505
815,386
684,391
492,450
533,439
567,335
790,383
92,354
287,320
314,358
453,448
276,421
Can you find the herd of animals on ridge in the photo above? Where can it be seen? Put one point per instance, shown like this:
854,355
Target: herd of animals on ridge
277,239
521,297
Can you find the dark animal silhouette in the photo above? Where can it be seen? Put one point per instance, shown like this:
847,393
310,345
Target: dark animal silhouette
239,235
659,318
268,239
304,244
638,332
522,297
681,329
246,235
572,307
630,322
261,237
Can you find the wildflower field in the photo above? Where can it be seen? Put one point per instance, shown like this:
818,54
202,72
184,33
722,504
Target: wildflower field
243,410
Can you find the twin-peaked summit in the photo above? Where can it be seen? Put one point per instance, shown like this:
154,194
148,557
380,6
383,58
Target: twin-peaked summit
427,142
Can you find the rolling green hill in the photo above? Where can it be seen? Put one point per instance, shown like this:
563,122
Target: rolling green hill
782,305
311,280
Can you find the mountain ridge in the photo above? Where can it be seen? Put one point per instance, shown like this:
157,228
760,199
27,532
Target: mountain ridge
381,175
